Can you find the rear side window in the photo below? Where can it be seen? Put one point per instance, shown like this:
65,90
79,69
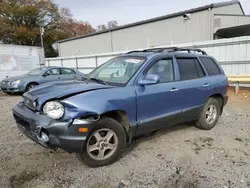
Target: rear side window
53,71
189,69
67,71
211,67
199,68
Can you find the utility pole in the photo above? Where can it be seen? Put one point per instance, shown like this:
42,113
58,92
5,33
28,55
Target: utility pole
41,35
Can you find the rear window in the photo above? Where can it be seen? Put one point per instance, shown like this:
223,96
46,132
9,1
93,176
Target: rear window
211,67
189,69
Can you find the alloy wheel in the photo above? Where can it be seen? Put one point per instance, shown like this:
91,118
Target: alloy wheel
102,144
211,114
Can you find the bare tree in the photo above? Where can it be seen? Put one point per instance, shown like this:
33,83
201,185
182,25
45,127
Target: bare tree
110,25
101,27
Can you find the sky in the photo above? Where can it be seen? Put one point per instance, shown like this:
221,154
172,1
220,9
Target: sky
98,12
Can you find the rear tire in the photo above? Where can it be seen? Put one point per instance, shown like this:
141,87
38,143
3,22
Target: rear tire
209,115
104,144
31,86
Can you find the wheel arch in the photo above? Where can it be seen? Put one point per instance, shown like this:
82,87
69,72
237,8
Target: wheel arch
31,82
121,117
218,97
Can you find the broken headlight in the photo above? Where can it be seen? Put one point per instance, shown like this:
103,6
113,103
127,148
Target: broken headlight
53,109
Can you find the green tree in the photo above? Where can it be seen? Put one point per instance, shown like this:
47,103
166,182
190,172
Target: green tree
21,21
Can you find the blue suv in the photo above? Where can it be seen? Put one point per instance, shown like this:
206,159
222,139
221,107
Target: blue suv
130,95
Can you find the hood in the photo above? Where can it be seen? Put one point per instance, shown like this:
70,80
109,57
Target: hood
11,79
61,89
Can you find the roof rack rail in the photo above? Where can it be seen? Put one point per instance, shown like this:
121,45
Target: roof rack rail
170,49
135,51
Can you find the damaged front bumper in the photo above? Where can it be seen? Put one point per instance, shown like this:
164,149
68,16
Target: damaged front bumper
51,133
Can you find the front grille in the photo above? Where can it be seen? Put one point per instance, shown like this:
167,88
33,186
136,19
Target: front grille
22,122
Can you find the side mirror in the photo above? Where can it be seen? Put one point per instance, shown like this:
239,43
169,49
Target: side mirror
150,79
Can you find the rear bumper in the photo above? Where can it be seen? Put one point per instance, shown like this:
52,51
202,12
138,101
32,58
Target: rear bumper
61,134
225,100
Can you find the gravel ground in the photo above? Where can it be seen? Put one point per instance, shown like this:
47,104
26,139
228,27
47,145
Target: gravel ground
180,156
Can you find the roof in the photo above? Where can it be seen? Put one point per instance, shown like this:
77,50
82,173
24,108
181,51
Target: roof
150,55
236,31
214,5
171,50
138,54
49,67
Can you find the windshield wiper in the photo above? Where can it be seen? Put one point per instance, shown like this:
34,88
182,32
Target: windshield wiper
99,81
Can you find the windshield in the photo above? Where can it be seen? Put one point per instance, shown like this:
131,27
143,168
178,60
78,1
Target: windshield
117,71
36,72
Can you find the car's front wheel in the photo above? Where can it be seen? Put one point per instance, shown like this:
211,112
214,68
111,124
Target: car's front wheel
104,144
209,115
31,86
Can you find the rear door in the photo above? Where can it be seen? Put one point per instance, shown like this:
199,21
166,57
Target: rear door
217,78
195,86
67,74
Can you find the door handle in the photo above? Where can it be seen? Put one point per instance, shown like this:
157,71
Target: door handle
174,90
206,85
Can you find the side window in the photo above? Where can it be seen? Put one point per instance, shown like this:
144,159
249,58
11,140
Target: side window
211,67
199,68
67,71
53,72
188,69
164,69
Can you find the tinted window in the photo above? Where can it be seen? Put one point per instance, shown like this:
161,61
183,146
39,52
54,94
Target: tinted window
53,72
164,69
67,71
187,69
211,67
199,68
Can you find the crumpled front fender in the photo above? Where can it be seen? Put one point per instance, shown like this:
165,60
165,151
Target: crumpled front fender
99,102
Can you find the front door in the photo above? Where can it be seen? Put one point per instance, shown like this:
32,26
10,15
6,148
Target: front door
159,105
51,75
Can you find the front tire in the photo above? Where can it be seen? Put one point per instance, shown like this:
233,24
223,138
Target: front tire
104,144
209,115
31,86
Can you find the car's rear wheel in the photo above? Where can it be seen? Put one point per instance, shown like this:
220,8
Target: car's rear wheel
209,115
31,86
104,144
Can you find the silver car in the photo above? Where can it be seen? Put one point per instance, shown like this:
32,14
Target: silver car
35,77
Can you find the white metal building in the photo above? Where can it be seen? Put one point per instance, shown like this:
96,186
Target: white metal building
233,55
19,59
214,21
